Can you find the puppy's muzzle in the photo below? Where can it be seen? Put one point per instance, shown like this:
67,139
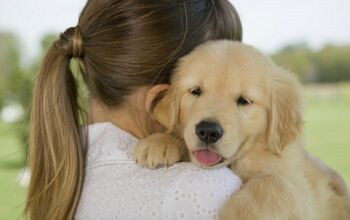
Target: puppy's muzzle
209,132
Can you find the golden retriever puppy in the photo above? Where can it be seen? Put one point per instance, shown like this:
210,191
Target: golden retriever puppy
232,106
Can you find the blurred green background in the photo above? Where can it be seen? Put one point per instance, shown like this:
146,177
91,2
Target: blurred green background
325,74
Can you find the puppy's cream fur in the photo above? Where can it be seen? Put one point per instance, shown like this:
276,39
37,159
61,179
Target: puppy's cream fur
262,141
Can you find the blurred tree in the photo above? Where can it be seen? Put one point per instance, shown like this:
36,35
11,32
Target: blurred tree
331,64
298,59
17,81
9,63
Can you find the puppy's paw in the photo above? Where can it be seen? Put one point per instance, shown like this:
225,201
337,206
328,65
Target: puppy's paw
158,150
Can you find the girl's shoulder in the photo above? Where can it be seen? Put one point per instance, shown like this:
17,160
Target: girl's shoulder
166,193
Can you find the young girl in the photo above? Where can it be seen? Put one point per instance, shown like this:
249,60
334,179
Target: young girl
127,50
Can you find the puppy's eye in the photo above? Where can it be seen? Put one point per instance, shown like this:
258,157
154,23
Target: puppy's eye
196,91
243,101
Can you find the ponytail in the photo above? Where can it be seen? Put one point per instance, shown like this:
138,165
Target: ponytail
56,148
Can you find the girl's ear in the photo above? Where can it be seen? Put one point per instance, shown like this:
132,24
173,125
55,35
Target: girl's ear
167,109
153,96
158,103
163,104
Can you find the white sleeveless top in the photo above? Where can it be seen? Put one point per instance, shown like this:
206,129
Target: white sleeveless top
116,188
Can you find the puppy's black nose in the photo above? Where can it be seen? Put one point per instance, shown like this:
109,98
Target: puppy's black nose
209,132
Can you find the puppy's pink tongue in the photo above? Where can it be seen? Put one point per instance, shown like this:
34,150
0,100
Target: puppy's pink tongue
207,157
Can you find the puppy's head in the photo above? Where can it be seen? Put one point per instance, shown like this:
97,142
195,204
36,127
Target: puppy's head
227,97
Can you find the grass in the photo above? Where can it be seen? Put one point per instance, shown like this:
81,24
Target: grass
327,126
11,193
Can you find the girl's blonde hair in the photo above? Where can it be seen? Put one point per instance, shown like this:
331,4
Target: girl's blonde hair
120,45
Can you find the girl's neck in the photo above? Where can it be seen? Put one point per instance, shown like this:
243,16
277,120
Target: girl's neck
120,117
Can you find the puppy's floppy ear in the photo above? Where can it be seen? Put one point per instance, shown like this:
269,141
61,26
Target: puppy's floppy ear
284,115
167,109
